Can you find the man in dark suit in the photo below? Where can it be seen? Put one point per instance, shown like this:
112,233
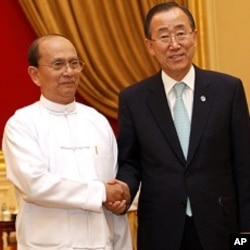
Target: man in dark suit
192,201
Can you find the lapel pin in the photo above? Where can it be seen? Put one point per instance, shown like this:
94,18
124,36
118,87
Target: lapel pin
203,98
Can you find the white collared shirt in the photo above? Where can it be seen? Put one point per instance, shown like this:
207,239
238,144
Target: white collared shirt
188,94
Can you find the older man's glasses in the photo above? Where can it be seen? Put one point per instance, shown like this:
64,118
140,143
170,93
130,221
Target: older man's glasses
76,65
167,39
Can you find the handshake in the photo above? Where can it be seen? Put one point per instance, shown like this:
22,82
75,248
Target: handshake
117,196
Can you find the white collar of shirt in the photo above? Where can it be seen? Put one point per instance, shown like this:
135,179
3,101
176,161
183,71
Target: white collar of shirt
63,109
170,82
188,94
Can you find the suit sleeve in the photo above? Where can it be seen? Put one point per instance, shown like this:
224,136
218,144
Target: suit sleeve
241,155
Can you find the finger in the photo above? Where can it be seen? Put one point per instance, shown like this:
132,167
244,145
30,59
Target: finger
112,181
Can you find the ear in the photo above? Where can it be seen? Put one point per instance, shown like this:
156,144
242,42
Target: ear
149,46
34,75
195,35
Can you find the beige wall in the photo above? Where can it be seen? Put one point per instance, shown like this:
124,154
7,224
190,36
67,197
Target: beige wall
229,38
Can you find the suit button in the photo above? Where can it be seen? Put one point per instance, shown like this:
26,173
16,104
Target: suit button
183,204
187,174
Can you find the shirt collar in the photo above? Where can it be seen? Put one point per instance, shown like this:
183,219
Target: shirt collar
170,82
56,107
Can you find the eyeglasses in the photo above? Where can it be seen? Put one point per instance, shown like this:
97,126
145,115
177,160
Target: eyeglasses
179,37
76,65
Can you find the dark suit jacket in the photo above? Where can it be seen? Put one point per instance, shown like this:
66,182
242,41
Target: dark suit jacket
216,175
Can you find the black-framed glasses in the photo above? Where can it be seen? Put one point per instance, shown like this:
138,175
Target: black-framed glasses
76,65
179,37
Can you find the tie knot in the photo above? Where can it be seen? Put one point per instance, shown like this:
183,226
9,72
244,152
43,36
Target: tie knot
179,88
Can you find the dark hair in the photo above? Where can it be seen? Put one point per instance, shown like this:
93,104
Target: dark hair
165,7
34,53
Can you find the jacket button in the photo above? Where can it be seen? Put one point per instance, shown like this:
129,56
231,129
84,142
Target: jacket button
187,174
183,204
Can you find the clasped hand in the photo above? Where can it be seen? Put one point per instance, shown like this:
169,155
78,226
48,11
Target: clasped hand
118,196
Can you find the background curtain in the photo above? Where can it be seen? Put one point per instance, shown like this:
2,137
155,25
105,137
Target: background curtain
108,35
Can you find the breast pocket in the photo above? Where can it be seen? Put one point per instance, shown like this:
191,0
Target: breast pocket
105,163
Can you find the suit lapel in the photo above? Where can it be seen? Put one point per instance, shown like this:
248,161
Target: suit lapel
201,107
158,105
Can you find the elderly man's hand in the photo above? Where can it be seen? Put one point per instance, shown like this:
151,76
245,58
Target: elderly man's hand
118,196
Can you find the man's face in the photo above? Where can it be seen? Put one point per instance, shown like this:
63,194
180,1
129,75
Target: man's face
57,85
172,42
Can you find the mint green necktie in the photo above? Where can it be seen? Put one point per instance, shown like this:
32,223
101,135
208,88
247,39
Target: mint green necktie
182,125
181,120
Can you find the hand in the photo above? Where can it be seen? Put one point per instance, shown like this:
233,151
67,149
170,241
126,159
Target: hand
117,207
117,191
118,196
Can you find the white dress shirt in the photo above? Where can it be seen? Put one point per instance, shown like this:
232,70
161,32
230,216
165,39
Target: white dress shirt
58,158
188,94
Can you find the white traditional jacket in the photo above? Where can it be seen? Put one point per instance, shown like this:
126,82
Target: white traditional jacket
58,158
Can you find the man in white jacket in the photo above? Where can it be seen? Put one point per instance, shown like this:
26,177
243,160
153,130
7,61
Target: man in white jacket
61,157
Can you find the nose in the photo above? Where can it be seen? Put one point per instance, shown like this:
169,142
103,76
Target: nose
173,42
68,68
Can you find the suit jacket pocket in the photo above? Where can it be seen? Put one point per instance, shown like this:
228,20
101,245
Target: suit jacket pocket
228,204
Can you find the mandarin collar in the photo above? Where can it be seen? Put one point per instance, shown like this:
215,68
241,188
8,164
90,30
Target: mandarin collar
56,107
